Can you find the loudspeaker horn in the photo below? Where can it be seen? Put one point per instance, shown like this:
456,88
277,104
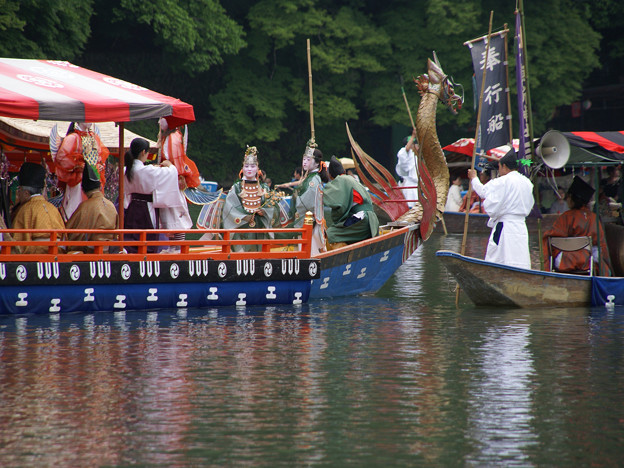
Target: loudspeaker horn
554,149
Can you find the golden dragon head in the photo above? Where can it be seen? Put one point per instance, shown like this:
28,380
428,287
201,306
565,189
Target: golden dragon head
435,81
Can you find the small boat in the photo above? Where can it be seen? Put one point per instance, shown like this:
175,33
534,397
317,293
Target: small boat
490,284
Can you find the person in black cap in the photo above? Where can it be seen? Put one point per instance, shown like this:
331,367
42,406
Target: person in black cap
508,200
352,216
578,221
96,212
34,211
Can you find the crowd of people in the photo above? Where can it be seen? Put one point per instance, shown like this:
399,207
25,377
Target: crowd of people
154,196
341,206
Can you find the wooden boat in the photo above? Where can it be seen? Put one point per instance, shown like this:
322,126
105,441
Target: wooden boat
202,274
494,285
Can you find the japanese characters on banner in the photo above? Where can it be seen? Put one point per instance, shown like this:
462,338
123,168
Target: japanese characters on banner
494,125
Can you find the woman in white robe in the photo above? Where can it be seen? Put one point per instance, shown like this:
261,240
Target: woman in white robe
147,188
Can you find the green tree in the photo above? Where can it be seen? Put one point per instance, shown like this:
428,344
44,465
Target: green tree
194,34
44,29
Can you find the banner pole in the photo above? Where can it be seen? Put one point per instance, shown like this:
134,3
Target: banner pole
474,148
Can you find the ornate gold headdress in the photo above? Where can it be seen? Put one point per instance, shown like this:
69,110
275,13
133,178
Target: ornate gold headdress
310,146
251,155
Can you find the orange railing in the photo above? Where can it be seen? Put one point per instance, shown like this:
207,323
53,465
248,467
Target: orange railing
220,247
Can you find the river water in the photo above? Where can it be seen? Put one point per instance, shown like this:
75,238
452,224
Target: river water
401,378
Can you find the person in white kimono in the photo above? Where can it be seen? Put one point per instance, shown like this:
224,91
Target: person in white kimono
407,168
454,198
147,188
508,201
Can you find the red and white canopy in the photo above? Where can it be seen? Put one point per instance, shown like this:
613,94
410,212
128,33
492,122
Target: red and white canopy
466,146
58,90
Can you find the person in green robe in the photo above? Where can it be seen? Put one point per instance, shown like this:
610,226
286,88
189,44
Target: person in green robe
308,196
249,204
352,216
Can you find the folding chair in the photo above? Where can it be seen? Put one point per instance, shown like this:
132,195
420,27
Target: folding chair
571,244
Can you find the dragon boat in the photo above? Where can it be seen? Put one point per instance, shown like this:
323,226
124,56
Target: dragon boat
203,273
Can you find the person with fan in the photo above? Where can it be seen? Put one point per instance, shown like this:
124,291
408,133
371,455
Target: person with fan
308,196
81,145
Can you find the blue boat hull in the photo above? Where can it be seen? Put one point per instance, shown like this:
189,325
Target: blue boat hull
364,267
38,287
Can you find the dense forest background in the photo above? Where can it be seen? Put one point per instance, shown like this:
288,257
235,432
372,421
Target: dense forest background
242,64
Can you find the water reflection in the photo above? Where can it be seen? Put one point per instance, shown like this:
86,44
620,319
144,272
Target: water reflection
402,379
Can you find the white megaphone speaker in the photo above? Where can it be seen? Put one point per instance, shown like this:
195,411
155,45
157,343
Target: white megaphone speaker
554,149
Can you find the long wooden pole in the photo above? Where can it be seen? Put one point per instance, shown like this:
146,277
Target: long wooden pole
409,112
311,97
525,59
474,149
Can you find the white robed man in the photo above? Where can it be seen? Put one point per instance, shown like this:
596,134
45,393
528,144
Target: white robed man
407,168
508,200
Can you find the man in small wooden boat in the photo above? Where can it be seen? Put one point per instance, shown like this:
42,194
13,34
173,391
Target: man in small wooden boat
33,210
407,168
81,146
96,212
352,216
578,221
249,204
508,200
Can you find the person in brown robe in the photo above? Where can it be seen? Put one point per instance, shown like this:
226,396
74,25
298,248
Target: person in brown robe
96,212
34,212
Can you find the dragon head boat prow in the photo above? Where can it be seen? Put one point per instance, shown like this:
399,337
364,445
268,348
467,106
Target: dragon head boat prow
433,86
437,82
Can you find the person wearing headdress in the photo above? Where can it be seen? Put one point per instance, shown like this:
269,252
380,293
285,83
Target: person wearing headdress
578,221
80,146
96,212
407,168
148,188
171,147
308,196
35,211
352,215
249,203
508,200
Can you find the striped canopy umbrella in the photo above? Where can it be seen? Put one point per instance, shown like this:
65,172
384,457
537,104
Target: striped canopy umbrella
58,90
